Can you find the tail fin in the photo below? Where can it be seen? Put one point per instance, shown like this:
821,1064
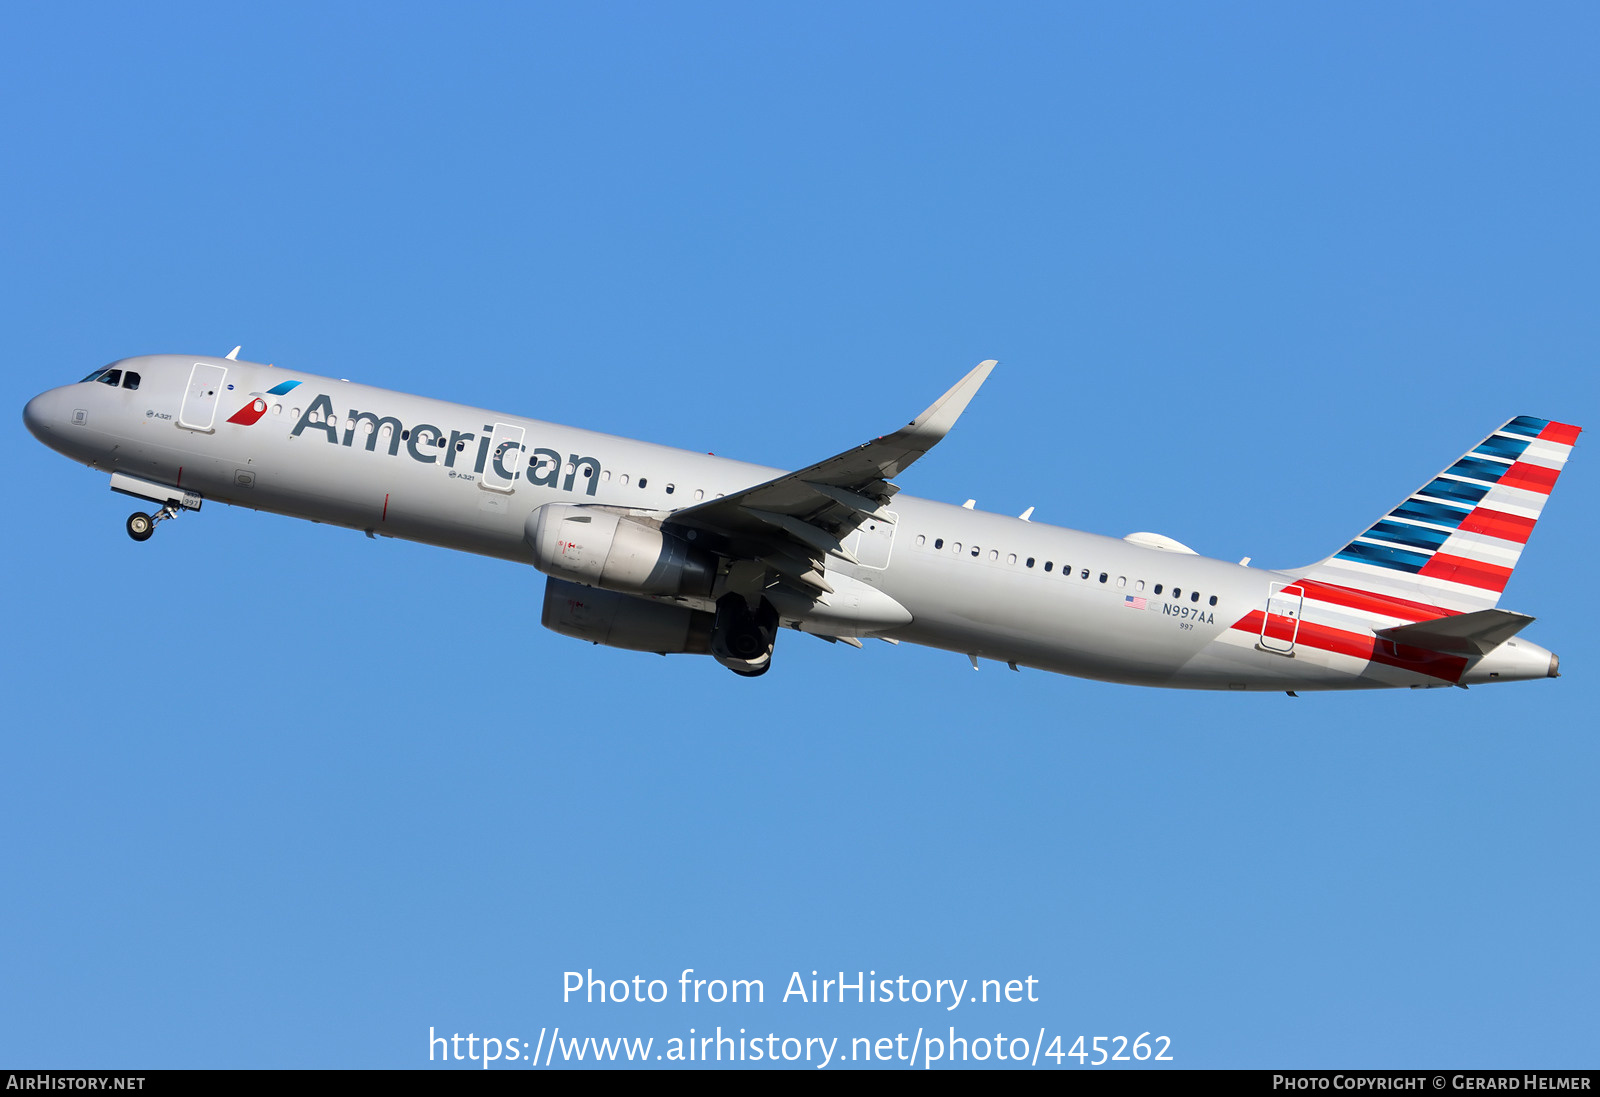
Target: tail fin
1453,543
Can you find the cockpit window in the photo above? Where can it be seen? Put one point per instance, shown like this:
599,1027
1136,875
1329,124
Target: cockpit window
95,376
130,380
111,377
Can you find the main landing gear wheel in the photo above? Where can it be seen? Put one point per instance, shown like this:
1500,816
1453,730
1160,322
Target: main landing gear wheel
140,526
742,639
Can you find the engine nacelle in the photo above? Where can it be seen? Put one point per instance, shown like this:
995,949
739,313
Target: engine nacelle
621,621
601,548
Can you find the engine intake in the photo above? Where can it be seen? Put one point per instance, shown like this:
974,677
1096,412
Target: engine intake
601,548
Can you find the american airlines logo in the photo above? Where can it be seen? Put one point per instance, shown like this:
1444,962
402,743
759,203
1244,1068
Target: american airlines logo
251,413
432,445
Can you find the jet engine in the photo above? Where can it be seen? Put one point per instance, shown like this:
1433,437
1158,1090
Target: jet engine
600,548
621,621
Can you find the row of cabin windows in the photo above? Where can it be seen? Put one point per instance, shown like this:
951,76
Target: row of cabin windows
622,480
644,481
1176,593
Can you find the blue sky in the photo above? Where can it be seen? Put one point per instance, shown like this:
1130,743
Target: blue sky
278,795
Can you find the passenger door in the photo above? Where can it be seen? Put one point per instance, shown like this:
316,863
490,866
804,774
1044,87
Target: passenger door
199,410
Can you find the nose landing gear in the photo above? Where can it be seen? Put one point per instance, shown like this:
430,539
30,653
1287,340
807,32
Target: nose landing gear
172,500
141,526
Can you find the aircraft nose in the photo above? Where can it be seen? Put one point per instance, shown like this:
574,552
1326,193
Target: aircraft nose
46,416
36,416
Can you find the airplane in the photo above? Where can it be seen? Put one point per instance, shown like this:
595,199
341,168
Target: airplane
657,549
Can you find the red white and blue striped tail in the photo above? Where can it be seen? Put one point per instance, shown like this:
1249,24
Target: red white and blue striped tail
1453,542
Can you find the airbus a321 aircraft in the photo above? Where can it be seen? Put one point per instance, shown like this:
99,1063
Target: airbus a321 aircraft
662,550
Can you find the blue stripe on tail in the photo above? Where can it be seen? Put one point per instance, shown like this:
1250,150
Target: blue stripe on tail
1398,559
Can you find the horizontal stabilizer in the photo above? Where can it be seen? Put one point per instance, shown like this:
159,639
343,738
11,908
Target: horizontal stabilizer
1475,633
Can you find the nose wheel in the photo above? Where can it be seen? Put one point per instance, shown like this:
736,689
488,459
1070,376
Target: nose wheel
141,526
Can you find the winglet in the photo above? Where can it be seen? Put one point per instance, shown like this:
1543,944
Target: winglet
233,355
936,422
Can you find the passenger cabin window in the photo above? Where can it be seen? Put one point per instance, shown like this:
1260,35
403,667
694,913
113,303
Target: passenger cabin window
1102,576
1030,561
1048,565
1213,599
1194,596
1158,588
938,542
643,481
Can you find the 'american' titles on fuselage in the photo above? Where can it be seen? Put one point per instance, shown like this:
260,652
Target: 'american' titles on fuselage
431,445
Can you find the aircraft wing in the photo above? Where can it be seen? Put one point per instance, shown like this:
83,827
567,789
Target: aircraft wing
792,522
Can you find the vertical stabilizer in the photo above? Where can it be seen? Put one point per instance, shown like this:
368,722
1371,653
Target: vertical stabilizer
1453,543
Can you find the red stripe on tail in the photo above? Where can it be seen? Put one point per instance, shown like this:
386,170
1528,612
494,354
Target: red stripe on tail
1474,573
1563,433
1495,523
1446,668
1368,602
1530,478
